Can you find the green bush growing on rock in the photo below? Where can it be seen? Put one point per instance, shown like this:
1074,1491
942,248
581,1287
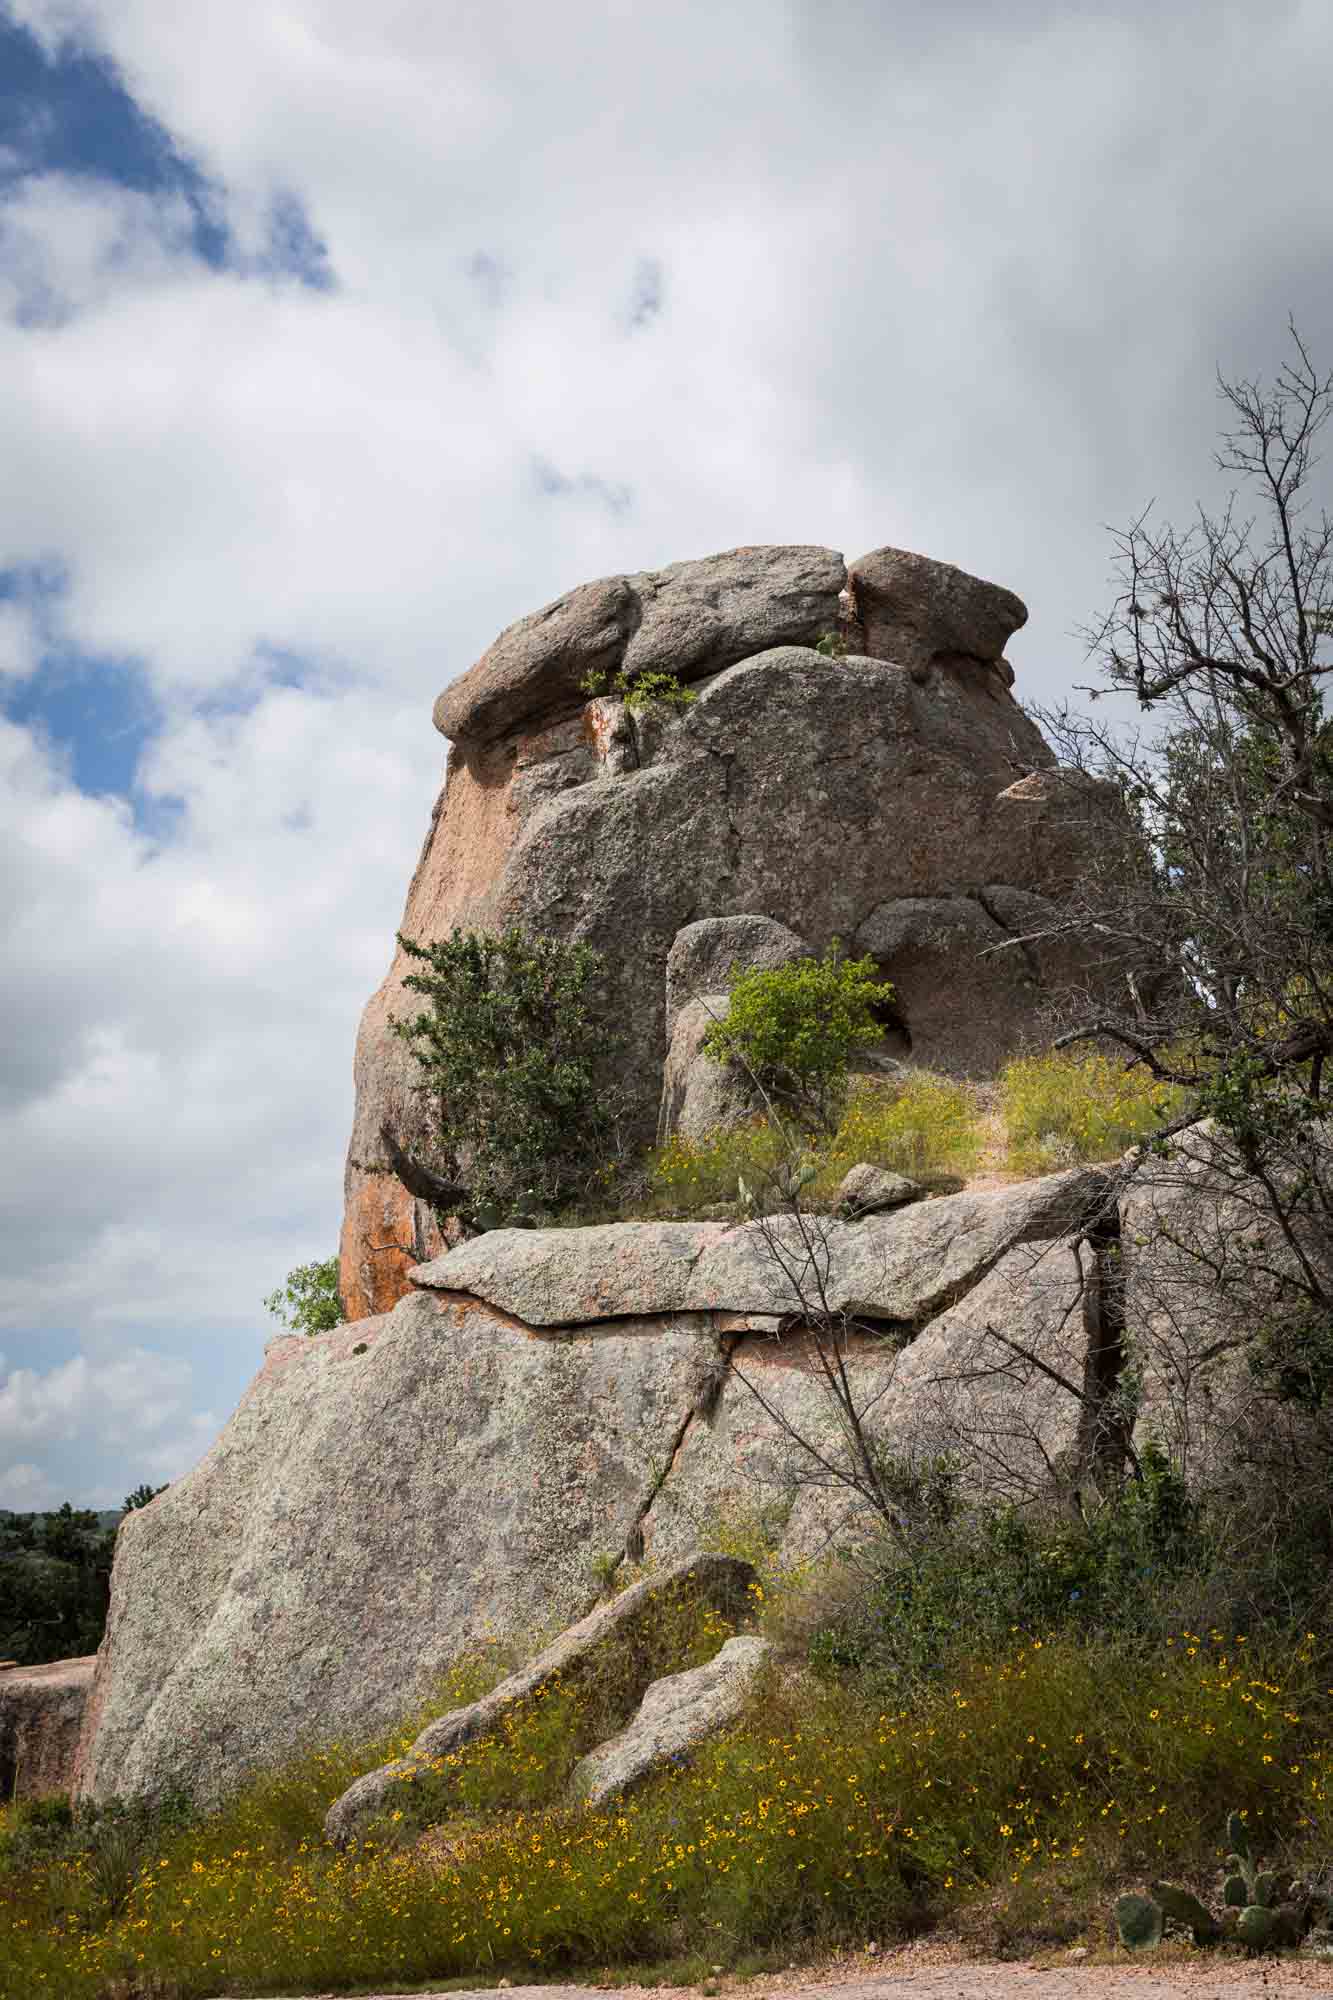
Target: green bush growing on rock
309,1302
640,692
795,1028
510,1050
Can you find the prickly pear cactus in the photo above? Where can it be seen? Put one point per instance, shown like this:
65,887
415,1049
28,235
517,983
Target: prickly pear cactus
1138,1922
1183,1908
1235,1894
1238,1837
1255,1926
1264,1892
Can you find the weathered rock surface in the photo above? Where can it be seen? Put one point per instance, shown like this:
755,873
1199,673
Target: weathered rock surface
972,1003
677,1714
1205,1257
869,1190
402,1487
690,619
700,1095
574,1659
41,1714
798,791
900,1266
918,611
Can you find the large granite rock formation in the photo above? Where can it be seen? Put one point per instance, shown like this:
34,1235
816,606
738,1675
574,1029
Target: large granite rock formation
821,795
395,1489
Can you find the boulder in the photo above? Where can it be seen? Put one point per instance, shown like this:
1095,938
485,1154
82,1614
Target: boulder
41,1715
797,790
921,612
704,954
969,1001
869,1190
1205,1255
690,619
699,1094
576,1658
676,1715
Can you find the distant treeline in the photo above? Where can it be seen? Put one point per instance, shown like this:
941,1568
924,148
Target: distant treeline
55,1574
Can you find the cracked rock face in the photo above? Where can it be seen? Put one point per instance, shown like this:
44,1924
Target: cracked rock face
798,793
397,1489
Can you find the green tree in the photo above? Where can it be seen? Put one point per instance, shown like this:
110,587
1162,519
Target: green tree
141,1496
795,1028
307,1303
512,1050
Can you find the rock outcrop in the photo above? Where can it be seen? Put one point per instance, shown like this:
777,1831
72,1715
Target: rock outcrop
676,1715
542,1401
614,1637
808,796
41,1716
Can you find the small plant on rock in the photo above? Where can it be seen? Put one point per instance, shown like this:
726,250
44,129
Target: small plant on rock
640,692
794,1029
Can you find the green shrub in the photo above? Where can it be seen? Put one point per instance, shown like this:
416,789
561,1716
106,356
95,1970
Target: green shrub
795,1028
971,1578
1078,1104
641,693
510,1052
309,1301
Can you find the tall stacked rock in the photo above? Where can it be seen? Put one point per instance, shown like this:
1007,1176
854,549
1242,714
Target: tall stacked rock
892,798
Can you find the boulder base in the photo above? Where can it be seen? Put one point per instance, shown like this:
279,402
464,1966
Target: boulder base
41,1715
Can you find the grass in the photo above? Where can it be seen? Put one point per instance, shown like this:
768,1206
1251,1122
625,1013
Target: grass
1073,1105
921,1125
1059,1109
1030,1784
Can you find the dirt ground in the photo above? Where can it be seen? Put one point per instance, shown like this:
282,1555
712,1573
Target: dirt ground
928,1972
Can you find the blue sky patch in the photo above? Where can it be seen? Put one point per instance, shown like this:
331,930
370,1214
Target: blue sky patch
70,113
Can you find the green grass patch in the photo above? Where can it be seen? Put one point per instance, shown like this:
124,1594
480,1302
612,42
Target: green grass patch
922,1125
1074,1105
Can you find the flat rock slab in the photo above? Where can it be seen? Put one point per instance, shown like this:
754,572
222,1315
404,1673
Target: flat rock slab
898,1267
576,1655
677,1714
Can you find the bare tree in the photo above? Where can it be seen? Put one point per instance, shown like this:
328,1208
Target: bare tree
1204,907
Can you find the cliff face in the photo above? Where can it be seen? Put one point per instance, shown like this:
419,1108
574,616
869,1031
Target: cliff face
891,798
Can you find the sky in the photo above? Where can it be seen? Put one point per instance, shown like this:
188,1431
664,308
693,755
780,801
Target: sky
335,337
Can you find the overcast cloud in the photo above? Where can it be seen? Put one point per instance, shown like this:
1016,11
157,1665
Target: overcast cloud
334,337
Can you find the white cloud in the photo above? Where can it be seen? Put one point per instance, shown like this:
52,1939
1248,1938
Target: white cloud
129,1398
951,278
25,1487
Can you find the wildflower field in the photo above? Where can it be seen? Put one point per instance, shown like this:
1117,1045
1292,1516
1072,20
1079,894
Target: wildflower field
1033,1785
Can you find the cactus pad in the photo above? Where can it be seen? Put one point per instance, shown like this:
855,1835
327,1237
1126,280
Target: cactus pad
1138,1921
